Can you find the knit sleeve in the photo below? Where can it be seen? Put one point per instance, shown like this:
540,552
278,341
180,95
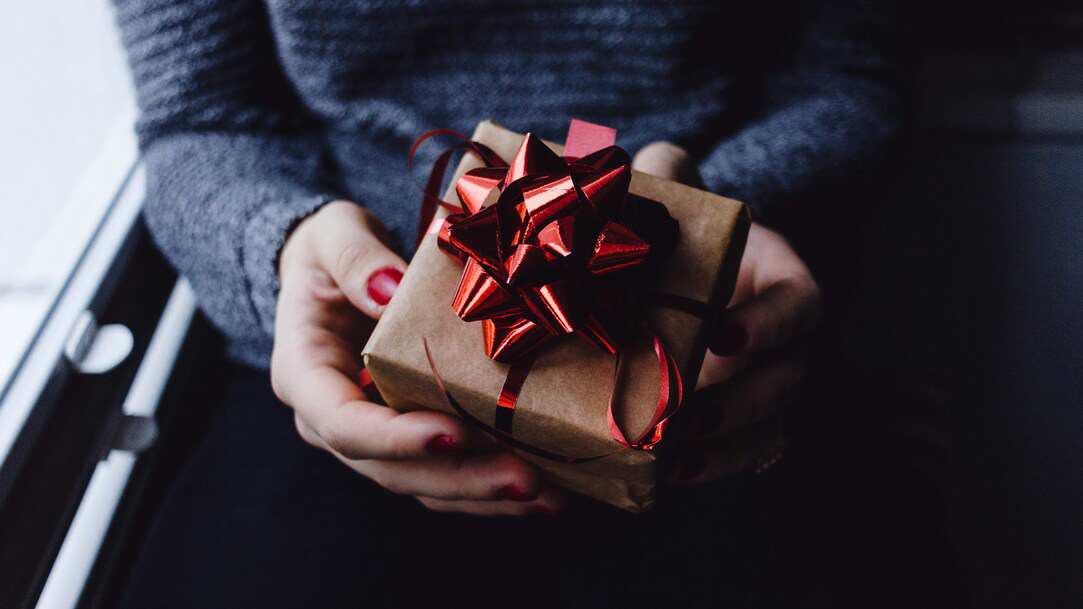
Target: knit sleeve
232,161
824,116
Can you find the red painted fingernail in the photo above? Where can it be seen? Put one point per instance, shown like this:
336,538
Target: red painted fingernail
383,283
734,338
513,492
693,467
443,444
541,510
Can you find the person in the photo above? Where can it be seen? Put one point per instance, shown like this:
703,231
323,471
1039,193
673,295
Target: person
274,136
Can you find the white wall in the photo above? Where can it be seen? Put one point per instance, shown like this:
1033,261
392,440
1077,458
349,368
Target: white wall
65,102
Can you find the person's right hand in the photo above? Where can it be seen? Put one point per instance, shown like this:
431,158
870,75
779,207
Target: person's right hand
755,366
337,275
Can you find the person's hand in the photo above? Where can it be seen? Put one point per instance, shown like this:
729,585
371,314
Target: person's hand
337,275
755,368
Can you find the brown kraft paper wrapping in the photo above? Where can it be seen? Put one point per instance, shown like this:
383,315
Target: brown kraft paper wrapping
563,404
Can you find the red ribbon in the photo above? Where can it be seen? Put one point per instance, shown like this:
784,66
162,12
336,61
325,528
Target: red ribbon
551,246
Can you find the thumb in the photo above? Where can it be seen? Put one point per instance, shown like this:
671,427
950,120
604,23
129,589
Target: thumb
349,246
669,161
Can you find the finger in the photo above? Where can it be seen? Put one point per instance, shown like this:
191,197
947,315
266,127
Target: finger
551,501
334,409
490,477
718,368
763,390
772,318
776,299
728,455
669,161
314,370
361,264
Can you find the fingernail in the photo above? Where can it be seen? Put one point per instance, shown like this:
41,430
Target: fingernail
734,338
541,510
383,283
513,492
693,467
443,444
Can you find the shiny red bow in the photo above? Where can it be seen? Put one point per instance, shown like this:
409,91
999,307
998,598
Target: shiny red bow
554,253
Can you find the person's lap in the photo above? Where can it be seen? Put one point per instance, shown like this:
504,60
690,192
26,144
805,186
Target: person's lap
259,518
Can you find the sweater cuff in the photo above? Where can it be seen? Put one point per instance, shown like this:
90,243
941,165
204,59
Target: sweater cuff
264,235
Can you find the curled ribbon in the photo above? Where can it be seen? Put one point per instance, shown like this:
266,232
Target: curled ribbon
551,246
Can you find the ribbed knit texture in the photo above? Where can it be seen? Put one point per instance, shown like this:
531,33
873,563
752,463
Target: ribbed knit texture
254,113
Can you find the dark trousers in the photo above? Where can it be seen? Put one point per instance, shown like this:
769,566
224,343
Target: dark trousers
854,515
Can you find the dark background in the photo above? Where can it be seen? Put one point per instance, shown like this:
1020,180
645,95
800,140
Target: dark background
972,282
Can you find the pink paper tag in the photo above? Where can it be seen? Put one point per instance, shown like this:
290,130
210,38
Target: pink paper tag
585,138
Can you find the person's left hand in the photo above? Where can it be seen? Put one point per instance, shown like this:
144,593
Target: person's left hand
756,367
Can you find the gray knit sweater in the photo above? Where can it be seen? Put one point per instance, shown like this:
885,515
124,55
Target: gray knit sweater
255,112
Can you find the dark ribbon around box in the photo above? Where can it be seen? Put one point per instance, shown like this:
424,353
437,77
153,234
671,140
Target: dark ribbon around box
552,246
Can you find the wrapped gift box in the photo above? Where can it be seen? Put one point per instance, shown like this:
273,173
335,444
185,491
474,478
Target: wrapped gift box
564,399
